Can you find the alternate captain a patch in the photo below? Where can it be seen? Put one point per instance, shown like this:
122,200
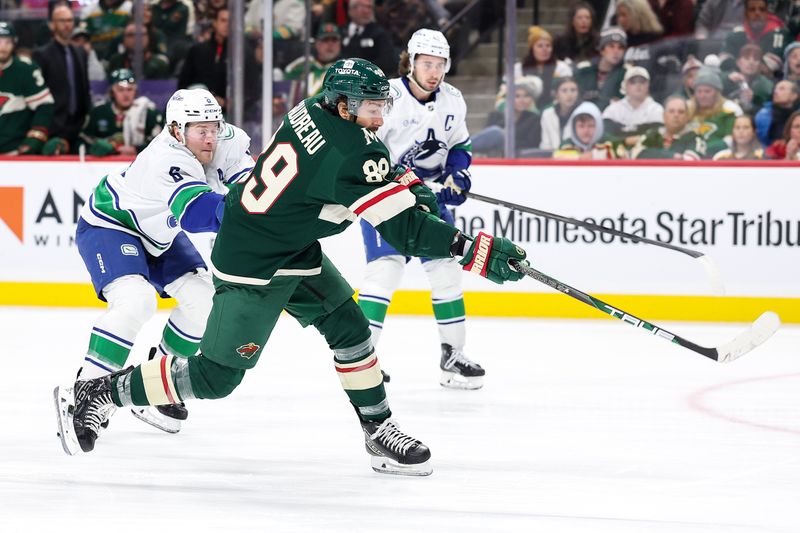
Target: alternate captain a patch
248,350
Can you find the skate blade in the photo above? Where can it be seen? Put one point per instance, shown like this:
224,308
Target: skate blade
152,416
64,398
383,465
453,380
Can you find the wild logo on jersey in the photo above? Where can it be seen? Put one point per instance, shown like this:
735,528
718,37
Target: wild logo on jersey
425,156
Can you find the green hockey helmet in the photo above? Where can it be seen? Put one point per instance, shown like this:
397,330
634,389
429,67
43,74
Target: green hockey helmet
7,30
357,80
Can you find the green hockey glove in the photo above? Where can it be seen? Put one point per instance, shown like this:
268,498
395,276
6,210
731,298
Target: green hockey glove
55,146
101,147
425,198
488,256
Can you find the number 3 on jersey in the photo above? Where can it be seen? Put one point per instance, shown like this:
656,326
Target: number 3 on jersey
274,184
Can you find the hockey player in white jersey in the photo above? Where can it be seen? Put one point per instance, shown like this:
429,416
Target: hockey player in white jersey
131,237
426,132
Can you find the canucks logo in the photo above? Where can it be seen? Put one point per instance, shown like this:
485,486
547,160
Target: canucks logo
428,155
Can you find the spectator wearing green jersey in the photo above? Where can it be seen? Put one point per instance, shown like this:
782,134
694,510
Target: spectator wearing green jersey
746,85
759,27
105,22
711,115
124,124
327,49
156,65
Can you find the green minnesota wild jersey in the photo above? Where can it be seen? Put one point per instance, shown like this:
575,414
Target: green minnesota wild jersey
315,177
654,145
144,122
26,106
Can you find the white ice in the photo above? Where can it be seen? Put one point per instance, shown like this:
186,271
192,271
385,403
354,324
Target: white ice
582,426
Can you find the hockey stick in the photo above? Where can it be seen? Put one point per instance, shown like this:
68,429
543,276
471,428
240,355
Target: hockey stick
711,269
758,332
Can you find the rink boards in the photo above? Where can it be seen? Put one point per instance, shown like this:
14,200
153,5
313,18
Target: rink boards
742,216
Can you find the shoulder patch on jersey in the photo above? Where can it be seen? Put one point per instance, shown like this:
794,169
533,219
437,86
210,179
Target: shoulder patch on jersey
452,90
584,64
24,59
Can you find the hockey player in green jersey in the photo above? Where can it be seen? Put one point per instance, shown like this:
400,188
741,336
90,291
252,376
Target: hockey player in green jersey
323,167
125,124
26,105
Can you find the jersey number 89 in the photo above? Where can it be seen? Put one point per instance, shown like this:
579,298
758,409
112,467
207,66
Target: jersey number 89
375,172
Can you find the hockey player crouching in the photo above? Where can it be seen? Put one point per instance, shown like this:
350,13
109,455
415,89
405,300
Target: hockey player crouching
323,168
131,237
427,132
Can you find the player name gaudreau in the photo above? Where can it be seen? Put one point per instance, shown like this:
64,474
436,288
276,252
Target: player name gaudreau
305,129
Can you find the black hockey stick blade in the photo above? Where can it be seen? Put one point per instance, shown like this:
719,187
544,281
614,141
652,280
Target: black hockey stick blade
758,332
714,276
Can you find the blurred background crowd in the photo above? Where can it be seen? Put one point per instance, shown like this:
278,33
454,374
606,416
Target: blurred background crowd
603,79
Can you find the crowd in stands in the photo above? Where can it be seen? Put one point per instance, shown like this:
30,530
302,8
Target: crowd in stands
674,79
677,79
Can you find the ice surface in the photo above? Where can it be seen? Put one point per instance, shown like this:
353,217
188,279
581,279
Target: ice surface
582,426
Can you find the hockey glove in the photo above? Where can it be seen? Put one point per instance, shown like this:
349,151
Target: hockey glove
55,146
454,188
489,256
102,147
425,198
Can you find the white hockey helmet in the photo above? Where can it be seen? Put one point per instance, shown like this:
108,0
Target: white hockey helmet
429,42
192,105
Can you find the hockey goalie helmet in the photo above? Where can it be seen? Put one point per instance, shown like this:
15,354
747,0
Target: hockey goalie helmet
193,105
431,43
359,81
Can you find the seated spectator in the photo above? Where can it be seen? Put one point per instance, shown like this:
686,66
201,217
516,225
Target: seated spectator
171,17
555,118
675,139
675,16
600,78
366,39
744,143
746,85
759,27
711,115
628,118
585,129
542,63
80,37
791,63
327,49
771,119
124,124
641,26
28,106
688,74
788,146
579,40
527,125
105,22
155,67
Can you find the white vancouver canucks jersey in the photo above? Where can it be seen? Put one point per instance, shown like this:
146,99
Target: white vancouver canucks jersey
149,197
420,135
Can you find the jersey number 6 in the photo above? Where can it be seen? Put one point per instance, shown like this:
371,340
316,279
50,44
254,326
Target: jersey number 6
274,184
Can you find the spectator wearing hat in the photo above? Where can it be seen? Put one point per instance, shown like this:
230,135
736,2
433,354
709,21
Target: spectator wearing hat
155,65
759,27
125,124
578,42
80,38
327,49
28,107
542,63
556,116
629,117
771,118
746,85
527,125
689,72
711,115
675,139
600,78
584,138
791,62
64,67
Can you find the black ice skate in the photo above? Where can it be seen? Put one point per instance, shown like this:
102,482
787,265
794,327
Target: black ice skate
81,410
165,417
394,452
458,372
